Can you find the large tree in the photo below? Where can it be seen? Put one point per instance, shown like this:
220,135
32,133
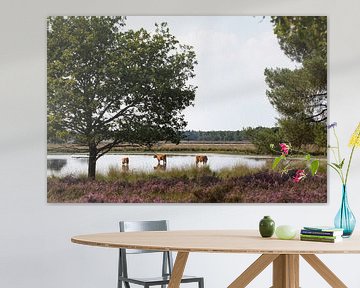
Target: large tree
301,93
108,85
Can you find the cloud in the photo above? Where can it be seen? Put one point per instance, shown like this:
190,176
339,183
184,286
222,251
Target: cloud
232,53
230,79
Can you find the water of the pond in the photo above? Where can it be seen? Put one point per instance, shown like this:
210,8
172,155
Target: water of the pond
66,164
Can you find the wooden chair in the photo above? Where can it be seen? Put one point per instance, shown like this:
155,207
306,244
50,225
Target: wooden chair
167,262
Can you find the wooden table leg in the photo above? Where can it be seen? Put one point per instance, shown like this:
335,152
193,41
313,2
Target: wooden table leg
178,270
286,271
324,271
253,270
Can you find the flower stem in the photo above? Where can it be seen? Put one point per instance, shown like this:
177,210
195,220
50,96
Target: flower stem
339,159
338,146
348,166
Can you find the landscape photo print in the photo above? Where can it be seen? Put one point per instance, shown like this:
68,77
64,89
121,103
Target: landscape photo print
187,109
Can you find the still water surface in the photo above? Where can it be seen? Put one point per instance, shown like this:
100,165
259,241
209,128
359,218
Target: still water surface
66,164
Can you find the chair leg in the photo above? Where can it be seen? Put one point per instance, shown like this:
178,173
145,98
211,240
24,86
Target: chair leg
201,283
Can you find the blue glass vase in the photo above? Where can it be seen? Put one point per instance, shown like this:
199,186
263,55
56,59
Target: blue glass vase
345,219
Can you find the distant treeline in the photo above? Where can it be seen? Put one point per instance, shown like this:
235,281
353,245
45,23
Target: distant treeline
299,134
216,136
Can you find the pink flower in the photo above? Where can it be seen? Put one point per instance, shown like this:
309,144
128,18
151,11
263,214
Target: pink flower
299,176
284,148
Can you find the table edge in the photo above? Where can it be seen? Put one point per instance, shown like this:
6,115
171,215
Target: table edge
203,250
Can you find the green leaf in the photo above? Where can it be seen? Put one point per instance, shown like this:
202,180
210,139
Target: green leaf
308,157
339,166
314,167
334,167
276,162
272,146
342,163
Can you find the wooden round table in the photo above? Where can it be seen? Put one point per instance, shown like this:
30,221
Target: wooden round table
284,254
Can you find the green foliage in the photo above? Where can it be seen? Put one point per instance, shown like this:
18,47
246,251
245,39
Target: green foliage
216,136
301,93
294,94
300,37
314,166
288,164
109,84
276,162
184,172
320,134
300,133
263,137
296,132
238,171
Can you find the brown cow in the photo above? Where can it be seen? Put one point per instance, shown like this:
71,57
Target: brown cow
160,157
125,161
201,159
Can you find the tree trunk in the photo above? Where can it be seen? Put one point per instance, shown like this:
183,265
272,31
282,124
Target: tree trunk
92,161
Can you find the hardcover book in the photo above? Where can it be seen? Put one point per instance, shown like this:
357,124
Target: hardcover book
319,237
321,233
328,240
323,228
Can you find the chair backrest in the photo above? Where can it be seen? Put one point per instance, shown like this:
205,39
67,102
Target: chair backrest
134,226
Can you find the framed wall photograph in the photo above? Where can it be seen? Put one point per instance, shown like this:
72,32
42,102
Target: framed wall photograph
187,109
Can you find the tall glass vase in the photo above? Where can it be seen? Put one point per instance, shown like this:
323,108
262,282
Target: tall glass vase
345,219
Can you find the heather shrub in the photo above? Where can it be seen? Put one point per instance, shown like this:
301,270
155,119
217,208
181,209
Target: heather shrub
189,184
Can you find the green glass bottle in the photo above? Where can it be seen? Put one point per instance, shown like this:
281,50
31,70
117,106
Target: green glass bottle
267,227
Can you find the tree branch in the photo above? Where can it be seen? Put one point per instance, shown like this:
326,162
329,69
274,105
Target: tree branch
318,94
103,112
118,114
106,148
316,115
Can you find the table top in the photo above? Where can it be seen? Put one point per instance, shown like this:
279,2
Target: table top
217,241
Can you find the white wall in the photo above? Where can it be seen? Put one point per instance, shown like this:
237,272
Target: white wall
35,248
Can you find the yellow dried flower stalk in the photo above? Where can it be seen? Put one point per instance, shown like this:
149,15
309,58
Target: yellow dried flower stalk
355,138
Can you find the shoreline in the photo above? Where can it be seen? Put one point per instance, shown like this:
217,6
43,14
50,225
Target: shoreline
185,153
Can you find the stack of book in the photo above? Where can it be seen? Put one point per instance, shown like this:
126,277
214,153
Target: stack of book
321,234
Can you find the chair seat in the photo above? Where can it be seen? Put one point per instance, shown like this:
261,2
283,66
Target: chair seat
158,280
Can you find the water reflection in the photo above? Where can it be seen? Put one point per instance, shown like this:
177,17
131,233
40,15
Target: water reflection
56,164
82,159
125,168
65,164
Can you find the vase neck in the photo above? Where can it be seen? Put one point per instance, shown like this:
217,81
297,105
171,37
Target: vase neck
344,194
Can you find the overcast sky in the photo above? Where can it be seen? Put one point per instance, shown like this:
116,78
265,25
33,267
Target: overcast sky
232,53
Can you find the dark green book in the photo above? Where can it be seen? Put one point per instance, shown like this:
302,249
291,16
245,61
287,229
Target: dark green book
319,236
